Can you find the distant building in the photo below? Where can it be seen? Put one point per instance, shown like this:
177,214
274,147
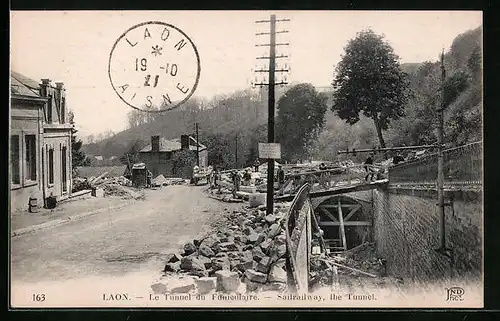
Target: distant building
159,156
40,142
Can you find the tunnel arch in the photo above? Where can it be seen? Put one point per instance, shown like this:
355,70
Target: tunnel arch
356,221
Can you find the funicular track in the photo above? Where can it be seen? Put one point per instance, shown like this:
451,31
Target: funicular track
335,181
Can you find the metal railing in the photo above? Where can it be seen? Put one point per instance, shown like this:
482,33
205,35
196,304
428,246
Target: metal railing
330,178
462,167
296,227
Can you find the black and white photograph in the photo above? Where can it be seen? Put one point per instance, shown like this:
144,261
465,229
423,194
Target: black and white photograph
227,159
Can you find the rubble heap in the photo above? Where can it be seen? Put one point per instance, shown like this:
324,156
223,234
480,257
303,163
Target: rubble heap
80,184
113,189
247,251
360,267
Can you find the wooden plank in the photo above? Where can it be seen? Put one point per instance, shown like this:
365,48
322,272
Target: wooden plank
343,205
339,190
352,269
330,215
348,223
351,213
342,230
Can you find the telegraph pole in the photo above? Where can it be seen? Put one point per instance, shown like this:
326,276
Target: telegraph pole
440,176
197,146
270,120
271,101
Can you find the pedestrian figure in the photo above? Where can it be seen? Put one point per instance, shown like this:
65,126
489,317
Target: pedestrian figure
236,182
369,168
281,176
149,178
217,178
213,177
256,165
247,177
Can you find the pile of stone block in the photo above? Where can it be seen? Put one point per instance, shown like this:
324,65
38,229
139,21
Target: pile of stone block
247,251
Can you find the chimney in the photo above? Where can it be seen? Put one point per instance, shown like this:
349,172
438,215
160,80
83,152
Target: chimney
155,144
44,92
185,141
61,101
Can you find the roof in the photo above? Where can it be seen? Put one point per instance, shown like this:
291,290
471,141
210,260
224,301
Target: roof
171,145
94,171
22,85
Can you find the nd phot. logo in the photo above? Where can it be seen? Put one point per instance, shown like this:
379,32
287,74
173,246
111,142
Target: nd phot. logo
454,294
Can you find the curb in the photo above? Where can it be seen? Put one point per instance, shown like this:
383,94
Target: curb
53,223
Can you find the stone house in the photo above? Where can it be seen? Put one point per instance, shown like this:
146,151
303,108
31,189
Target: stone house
26,132
40,142
159,156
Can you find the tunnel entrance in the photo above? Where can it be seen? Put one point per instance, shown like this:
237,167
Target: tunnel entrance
346,222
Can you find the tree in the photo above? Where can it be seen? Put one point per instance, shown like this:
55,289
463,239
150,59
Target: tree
183,162
132,155
219,150
474,62
369,79
78,157
301,115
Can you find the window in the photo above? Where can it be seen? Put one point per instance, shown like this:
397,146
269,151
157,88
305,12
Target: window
64,169
50,158
30,164
49,110
14,159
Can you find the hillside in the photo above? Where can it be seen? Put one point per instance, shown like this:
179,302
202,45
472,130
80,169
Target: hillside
240,113
239,120
463,118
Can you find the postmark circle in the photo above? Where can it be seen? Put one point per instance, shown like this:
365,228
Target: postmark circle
154,67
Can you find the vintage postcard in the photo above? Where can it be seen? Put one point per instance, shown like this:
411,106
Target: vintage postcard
284,159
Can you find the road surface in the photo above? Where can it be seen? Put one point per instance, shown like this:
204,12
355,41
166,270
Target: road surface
118,242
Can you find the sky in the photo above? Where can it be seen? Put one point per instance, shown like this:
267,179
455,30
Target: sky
74,47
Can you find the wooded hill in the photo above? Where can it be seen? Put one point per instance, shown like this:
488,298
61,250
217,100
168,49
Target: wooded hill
239,120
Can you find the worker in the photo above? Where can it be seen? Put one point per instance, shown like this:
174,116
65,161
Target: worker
281,176
247,177
149,178
256,165
236,182
209,175
369,167
213,175
217,179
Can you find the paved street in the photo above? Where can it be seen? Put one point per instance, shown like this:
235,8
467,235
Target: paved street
118,242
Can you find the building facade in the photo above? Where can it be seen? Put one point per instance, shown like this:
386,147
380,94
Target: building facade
56,149
40,142
26,136
161,156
